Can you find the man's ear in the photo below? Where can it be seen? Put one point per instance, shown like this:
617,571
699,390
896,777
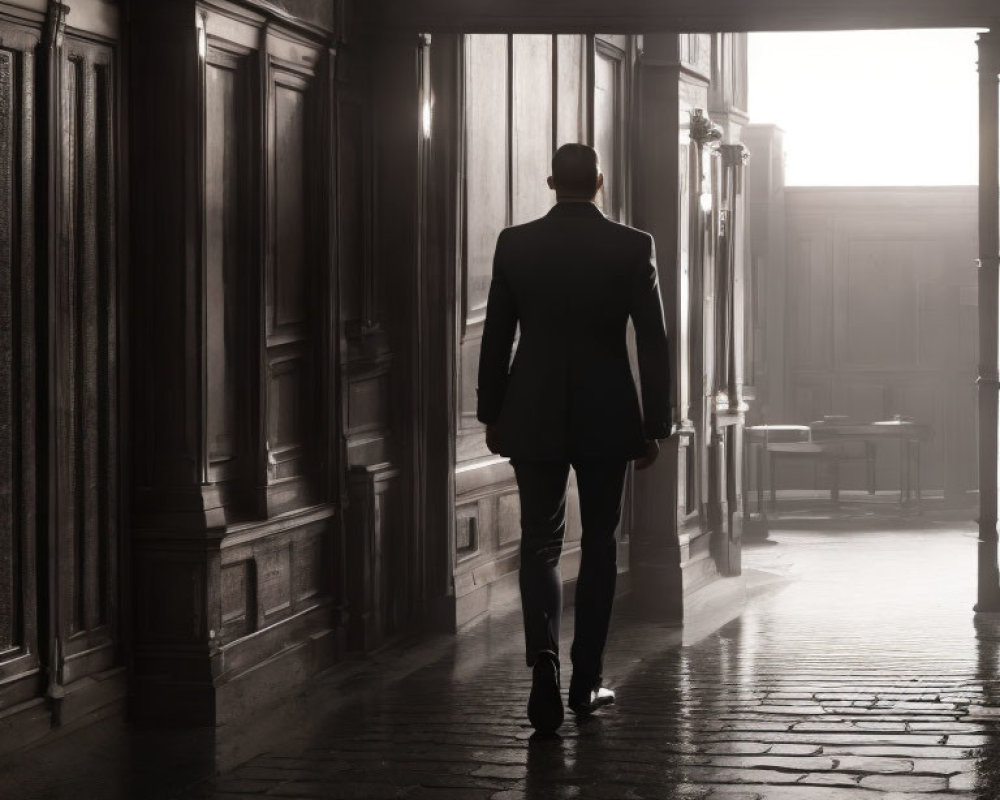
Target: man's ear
600,181
550,182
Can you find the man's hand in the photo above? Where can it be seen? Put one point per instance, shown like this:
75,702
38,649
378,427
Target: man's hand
652,451
493,438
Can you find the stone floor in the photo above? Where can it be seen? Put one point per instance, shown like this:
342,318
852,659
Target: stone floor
856,671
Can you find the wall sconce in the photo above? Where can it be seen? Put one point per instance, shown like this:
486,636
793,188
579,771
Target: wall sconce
202,40
426,96
705,200
426,117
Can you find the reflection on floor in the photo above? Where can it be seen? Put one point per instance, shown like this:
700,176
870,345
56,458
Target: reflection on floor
857,671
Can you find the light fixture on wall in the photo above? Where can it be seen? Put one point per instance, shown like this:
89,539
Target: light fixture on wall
202,39
426,95
426,117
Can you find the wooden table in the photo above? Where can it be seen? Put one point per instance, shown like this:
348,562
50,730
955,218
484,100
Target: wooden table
825,440
908,433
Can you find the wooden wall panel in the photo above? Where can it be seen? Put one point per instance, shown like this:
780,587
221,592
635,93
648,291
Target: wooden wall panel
381,582
875,321
531,128
20,679
486,157
85,296
571,90
228,257
608,119
353,224
233,122
292,278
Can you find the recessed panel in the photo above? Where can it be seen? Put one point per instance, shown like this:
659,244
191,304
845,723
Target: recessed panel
274,580
367,400
291,213
509,518
10,578
532,127
607,126
467,529
879,316
224,192
238,600
485,161
309,565
285,403
571,97
351,177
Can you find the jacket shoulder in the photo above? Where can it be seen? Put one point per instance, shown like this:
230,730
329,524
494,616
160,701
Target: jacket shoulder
628,232
637,242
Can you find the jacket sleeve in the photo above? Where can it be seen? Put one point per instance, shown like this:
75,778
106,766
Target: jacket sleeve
498,341
655,374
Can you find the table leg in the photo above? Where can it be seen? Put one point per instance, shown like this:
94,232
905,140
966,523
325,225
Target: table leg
902,472
909,471
870,466
745,474
760,478
774,493
834,464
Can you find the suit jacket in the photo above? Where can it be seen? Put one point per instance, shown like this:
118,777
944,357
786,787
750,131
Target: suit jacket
571,280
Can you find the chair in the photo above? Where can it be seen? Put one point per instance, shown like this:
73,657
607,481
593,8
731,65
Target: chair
758,438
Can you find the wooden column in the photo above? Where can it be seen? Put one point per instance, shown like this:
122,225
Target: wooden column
655,557
237,514
989,264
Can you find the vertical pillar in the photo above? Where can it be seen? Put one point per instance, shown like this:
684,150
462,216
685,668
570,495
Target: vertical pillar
656,549
989,264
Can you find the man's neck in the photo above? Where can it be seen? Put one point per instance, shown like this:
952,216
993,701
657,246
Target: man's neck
569,198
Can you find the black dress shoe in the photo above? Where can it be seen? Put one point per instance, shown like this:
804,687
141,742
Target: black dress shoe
545,707
585,700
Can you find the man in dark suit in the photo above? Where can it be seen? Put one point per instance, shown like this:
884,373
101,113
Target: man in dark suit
572,280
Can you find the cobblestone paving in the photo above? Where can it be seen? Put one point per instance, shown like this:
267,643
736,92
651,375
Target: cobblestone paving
857,671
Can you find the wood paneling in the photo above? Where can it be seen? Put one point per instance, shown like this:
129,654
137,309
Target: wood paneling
571,90
876,323
19,632
229,255
486,164
611,68
353,177
523,95
292,277
531,128
84,292
381,582
238,508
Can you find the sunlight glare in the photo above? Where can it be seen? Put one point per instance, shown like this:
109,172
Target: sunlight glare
870,108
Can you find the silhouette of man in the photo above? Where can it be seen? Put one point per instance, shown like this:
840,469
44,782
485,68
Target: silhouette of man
571,280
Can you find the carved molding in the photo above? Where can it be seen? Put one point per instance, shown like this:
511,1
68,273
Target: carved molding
703,130
55,24
734,155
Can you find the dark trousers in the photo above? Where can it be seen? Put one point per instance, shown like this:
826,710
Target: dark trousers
542,486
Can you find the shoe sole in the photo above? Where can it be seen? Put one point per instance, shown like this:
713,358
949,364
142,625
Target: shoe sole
586,709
